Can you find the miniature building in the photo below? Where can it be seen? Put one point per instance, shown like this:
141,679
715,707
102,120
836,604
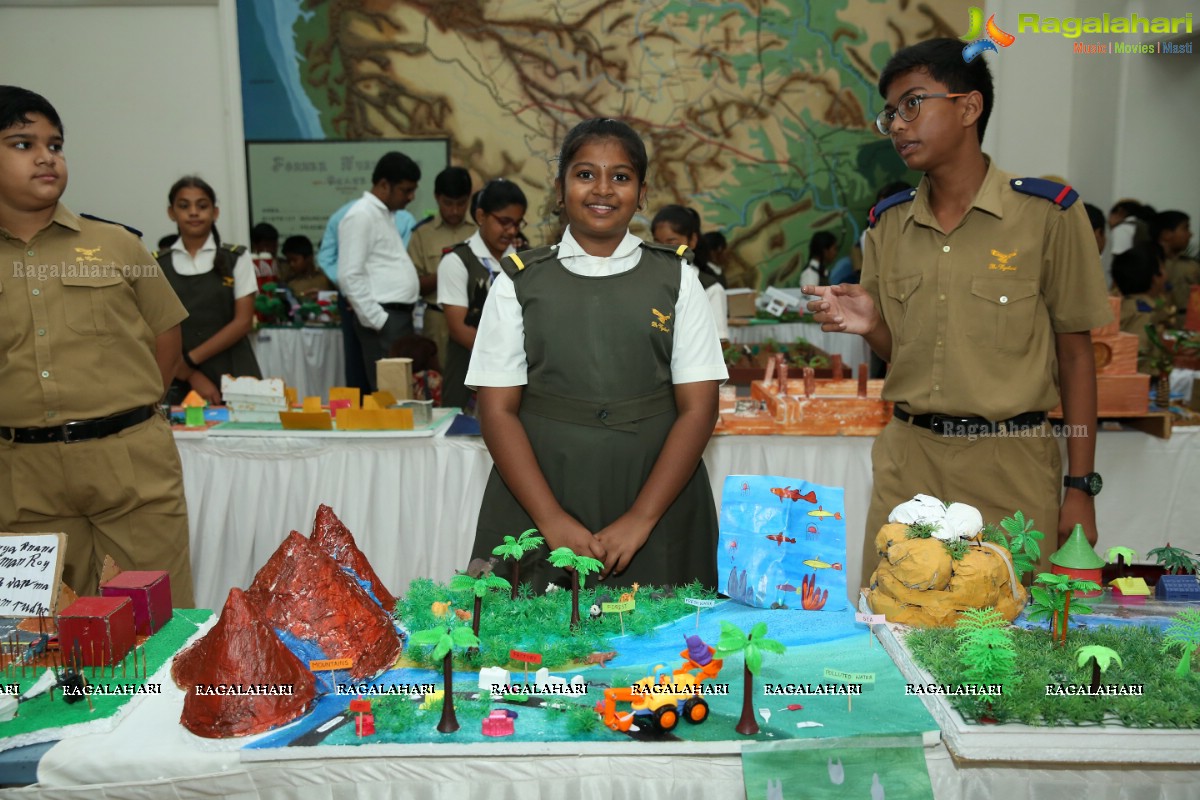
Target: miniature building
364,724
103,627
193,410
1130,591
1079,560
498,723
1177,587
150,592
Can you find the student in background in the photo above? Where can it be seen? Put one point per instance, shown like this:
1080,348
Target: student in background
1128,223
597,363
327,260
264,245
718,255
1138,275
305,280
1172,231
1096,220
216,284
431,240
822,252
677,226
466,273
83,449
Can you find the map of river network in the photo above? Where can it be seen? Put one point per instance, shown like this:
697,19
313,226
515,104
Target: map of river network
760,115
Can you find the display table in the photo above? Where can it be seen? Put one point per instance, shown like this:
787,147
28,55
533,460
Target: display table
310,359
412,504
852,349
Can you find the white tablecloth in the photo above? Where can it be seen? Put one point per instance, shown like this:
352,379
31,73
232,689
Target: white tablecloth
413,504
853,349
310,359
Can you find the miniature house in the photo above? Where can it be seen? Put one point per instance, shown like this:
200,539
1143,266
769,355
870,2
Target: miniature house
498,723
193,410
99,629
1077,559
150,591
1129,591
1177,587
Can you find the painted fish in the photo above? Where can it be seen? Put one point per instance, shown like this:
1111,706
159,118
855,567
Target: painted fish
792,707
789,493
821,513
816,563
785,587
779,539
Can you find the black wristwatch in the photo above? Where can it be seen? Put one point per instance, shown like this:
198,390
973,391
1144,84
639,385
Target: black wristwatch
1089,484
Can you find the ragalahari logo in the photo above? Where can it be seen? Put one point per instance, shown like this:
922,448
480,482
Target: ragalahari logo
979,43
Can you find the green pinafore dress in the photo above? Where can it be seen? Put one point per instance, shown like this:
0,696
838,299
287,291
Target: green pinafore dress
597,409
458,358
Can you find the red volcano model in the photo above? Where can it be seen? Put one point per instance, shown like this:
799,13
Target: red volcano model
335,539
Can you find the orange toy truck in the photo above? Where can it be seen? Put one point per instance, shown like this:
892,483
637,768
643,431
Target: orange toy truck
658,701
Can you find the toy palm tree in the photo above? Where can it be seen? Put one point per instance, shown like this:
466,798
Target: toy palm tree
445,640
1121,556
516,549
1060,589
985,645
479,580
1022,542
580,567
734,640
1175,560
1100,657
1184,633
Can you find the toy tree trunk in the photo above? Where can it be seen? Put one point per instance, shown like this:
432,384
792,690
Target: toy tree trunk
1162,392
1066,615
449,722
747,725
516,579
1095,674
475,621
574,600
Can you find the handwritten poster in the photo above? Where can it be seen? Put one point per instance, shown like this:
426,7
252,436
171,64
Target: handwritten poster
30,571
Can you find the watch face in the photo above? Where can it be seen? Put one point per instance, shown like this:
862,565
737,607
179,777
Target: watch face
1095,483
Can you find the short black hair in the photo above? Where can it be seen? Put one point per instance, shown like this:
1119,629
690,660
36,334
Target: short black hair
1165,221
604,128
395,167
16,104
715,240
264,232
943,60
1095,216
297,245
496,194
685,222
1133,271
452,182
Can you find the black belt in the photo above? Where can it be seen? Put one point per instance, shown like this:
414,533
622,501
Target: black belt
434,307
80,430
620,415
945,425
397,306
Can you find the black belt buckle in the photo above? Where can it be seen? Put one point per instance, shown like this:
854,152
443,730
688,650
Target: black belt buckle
78,431
956,426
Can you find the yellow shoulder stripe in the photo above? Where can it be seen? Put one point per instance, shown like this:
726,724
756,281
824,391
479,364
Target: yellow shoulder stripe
682,249
516,260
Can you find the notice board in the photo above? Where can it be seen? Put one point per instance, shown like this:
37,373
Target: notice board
296,186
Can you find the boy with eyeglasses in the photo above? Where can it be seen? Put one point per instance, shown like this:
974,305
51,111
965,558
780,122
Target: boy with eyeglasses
980,289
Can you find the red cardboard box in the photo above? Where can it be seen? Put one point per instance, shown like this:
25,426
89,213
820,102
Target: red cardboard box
150,591
103,626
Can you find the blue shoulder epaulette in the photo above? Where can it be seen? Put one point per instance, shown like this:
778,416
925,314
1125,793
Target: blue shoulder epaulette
430,218
93,218
1059,194
888,202
1144,306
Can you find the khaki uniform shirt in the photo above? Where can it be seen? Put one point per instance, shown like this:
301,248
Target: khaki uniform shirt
1138,311
1182,274
80,305
973,311
428,243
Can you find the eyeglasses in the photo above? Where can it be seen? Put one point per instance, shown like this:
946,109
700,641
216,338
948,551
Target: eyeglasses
507,222
910,106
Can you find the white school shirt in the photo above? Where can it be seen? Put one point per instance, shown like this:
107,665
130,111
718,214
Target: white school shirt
452,289
373,263
499,355
244,282
719,304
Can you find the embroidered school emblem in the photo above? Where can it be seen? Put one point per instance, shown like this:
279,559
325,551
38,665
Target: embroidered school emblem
227,281
660,323
1001,262
86,254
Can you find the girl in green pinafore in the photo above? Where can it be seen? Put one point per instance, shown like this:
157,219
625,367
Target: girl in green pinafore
597,364
216,284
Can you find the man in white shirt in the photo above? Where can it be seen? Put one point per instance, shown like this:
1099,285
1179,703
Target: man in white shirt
374,270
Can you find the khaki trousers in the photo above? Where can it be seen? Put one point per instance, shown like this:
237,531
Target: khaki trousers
997,474
121,496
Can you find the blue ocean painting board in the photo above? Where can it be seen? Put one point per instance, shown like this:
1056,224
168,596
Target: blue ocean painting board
776,533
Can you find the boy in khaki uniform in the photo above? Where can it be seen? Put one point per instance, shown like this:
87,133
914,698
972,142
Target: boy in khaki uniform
90,342
979,289
432,239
